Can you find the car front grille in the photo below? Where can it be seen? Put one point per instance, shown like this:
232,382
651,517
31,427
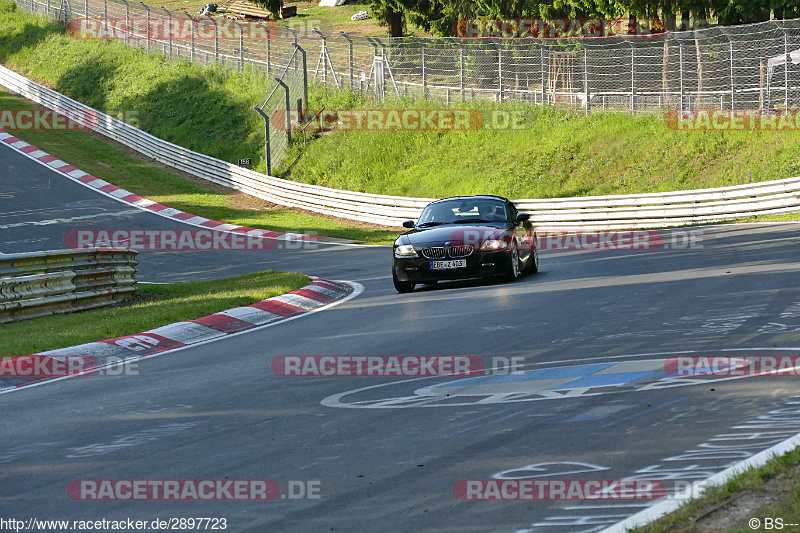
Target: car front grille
461,251
440,253
434,253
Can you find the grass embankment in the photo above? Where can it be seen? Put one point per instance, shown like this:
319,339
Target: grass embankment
156,306
777,484
557,153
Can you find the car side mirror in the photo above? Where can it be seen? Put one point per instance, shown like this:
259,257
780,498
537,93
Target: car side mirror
522,217
408,224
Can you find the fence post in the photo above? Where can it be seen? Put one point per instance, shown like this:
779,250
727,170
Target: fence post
305,73
424,73
105,15
269,46
323,56
266,138
733,94
216,40
680,70
147,8
288,106
191,20
350,46
499,69
380,78
586,78
169,15
127,22
633,78
294,34
786,70
86,8
461,84
241,45
544,86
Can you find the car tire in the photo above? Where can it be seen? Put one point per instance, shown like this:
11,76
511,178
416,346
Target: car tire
402,286
533,261
514,271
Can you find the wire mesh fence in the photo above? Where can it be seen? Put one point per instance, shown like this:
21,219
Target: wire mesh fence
738,67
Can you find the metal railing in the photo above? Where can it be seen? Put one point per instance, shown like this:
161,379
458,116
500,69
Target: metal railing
751,66
598,212
63,281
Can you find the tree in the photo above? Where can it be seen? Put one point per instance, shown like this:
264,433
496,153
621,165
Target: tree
273,6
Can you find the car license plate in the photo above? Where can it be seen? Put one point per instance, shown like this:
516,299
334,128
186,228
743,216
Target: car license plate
445,265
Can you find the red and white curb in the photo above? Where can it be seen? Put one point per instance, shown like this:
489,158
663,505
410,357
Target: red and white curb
127,197
319,295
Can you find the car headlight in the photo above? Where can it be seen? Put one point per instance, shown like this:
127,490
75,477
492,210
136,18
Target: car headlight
496,244
404,250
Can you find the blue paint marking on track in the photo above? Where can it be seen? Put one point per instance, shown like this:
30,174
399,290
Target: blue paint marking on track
602,380
563,372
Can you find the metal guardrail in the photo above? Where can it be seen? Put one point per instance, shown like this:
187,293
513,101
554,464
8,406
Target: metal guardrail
597,212
63,281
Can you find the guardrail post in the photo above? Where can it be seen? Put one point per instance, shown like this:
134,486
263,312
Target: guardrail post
350,46
147,8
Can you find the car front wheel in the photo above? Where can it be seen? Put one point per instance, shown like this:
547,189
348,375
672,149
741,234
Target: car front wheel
513,269
402,286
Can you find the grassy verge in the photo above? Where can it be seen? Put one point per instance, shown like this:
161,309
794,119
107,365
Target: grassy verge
767,483
157,305
97,156
556,153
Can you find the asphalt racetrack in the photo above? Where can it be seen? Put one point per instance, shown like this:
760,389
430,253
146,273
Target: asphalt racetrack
592,400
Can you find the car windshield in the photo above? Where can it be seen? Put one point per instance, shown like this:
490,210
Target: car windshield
465,211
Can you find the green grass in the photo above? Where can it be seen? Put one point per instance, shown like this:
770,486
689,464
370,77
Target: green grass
556,153
97,157
175,302
788,506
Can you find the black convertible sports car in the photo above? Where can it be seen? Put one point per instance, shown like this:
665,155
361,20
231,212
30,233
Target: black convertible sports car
465,237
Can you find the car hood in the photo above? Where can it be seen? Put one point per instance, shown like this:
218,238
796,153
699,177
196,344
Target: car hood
456,233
